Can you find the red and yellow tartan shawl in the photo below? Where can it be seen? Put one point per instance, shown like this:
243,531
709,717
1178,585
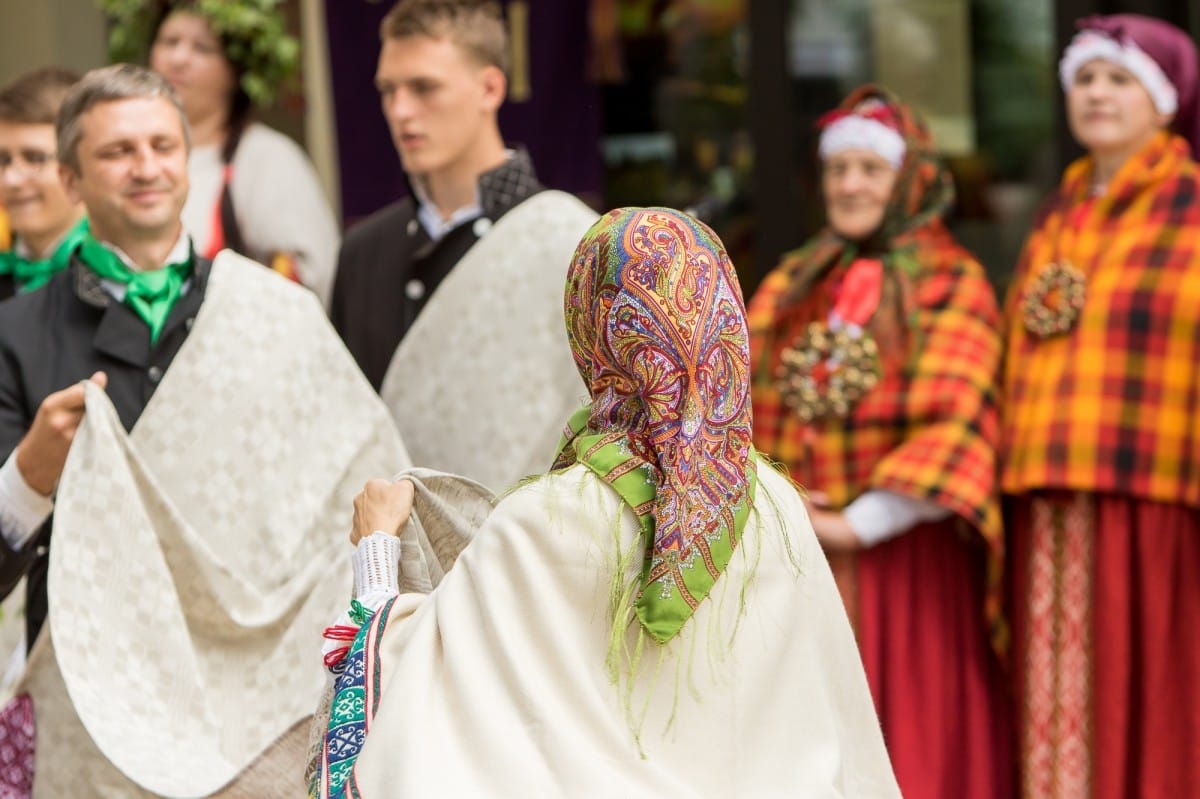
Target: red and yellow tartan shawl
656,324
929,429
1113,405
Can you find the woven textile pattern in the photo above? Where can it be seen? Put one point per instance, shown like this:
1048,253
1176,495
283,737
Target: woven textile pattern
196,560
1112,405
483,382
656,323
929,429
1057,734
16,748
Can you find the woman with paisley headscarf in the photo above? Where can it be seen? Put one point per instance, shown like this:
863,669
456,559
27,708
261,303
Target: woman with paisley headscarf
876,355
652,618
1101,426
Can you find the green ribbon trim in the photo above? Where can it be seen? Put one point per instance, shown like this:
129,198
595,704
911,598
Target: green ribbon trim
151,295
660,607
29,274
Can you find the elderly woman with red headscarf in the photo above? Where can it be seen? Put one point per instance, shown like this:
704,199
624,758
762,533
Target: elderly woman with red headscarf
654,617
1102,431
876,358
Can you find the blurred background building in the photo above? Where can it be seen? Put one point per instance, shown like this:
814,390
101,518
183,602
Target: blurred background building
707,105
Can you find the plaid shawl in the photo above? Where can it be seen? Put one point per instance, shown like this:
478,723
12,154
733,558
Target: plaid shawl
930,428
656,324
1114,404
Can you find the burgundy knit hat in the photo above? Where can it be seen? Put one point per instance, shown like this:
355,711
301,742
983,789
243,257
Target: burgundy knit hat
1160,55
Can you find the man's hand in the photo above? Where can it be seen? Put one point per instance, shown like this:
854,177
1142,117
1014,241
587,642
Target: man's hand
831,527
42,453
382,505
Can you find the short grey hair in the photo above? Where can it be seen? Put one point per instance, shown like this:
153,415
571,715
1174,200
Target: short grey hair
107,85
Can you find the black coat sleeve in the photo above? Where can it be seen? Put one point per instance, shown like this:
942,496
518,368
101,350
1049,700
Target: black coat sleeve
14,423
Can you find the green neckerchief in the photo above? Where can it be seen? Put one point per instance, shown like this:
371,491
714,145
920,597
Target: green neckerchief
662,613
29,275
151,295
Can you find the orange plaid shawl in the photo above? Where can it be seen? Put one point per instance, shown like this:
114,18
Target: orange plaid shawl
1114,404
930,428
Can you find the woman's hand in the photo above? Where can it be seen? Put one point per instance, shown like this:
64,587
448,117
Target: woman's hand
381,505
831,527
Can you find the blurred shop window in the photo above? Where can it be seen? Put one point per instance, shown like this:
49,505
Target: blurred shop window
980,72
675,99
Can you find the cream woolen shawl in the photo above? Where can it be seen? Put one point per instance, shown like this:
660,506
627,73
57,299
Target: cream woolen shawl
496,685
196,560
484,382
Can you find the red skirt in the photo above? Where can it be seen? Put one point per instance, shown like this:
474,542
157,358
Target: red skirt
917,606
1105,597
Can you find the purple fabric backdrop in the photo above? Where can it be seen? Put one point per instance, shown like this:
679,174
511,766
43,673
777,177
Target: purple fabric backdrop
560,123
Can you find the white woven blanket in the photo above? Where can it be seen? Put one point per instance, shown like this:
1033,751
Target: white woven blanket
196,560
484,382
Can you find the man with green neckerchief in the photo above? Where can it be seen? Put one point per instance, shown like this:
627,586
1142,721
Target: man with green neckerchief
105,309
168,410
46,223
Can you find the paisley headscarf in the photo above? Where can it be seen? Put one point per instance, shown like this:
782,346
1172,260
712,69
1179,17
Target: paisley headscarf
657,326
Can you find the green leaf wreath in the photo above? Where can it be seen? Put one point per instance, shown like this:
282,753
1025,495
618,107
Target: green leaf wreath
252,32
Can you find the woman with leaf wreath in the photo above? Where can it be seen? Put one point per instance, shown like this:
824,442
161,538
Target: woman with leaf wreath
876,358
1101,426
253,190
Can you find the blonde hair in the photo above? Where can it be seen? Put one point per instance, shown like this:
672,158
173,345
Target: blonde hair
477,26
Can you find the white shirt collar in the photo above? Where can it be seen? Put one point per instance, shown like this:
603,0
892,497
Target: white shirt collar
431,219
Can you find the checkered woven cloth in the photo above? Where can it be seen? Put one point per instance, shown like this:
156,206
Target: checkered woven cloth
484,381
1114,404
930,427
196,559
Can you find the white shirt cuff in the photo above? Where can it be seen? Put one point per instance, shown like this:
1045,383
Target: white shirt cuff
22,509
377,569
879,515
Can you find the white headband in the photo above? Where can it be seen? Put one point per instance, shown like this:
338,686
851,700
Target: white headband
1091,45
853,132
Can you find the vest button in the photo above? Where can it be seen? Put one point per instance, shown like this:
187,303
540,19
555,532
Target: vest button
482,225
412,227
155,374
414,289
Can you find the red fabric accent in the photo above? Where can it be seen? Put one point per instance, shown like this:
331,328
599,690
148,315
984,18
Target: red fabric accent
937,684
340,632
336,656
17,740
877,112
859,294
216,236
1144,657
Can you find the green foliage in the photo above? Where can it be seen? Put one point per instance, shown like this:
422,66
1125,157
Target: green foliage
253,33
